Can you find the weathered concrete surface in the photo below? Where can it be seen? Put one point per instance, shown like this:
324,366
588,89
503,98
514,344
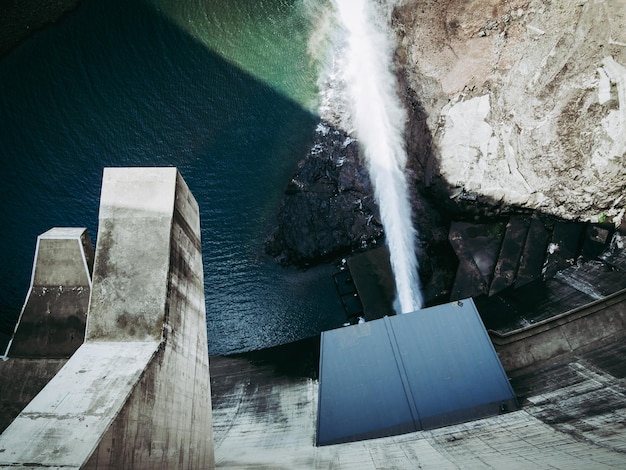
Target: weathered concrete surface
65,422
166,423
20,381
131,272
64,256
524,100
52,321
121,402
572,417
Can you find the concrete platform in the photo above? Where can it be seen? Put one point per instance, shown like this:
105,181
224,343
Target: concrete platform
572,417
64,423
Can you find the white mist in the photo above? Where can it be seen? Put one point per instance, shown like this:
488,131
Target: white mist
378,119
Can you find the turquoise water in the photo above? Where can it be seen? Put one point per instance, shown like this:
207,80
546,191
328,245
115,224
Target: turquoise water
265,38
225,94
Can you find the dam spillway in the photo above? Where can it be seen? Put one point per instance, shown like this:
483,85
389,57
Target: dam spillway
571,416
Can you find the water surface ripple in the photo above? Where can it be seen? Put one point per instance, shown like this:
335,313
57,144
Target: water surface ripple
119,83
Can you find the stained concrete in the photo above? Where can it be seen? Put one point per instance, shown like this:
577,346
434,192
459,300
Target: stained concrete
63,424
139,396
136,394
132,255
572,416
582,329
51,326
52,321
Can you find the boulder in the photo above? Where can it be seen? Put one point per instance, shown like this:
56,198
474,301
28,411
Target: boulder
329,208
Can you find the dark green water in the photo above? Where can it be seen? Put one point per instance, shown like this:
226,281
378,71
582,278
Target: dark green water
224,91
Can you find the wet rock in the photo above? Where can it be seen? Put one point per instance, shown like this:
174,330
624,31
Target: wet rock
329,207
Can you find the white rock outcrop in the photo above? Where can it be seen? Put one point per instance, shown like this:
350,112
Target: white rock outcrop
526,100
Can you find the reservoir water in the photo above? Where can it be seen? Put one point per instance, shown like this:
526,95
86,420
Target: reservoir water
223,90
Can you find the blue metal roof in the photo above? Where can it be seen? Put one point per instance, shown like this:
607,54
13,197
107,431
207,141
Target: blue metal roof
399,374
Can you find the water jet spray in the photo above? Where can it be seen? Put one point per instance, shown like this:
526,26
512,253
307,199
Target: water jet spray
378,118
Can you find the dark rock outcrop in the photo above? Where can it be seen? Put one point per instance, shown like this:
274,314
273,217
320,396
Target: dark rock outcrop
329,207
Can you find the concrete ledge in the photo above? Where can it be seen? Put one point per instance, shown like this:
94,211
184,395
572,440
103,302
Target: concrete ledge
64,423
579,330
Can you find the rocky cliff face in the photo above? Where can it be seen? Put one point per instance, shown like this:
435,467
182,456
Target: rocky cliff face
524,101
514,106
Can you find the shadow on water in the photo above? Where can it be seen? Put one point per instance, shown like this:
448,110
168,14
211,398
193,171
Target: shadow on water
116,84
296,360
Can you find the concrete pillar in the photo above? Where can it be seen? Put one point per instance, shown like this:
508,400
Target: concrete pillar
52,321
149,285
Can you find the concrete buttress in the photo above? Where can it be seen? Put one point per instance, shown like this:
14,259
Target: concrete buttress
52,321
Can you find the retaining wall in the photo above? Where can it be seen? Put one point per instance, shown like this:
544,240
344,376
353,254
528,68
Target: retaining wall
577,331
136,394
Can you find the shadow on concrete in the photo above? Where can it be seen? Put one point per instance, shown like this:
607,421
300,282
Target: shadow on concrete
298,359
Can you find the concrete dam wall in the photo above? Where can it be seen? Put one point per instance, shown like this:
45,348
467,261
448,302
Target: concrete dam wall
128,386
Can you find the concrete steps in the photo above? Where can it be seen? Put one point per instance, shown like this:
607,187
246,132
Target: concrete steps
527,249
530,267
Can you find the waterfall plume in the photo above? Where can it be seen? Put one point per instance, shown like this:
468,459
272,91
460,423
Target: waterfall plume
364,76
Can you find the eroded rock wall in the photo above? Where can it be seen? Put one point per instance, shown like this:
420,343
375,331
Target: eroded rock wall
525,101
